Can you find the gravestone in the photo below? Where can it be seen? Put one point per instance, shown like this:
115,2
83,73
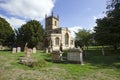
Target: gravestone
46,50
14,50
27,61
26,48
56,56
0,47
18,49
34,50
75,56
3,48
29,52
51,50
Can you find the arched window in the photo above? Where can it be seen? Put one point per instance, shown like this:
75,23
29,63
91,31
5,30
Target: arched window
66,39
57,41
55,23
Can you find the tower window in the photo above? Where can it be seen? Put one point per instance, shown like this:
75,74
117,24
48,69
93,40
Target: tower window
55,23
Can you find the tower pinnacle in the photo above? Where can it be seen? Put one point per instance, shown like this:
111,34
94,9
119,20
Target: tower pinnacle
52,13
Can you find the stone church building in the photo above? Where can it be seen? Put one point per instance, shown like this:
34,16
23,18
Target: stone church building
56,36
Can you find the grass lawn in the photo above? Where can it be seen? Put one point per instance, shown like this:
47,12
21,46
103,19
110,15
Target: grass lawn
97,67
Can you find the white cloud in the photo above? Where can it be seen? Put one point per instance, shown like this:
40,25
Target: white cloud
14,22
89,9
29,9
94,17
25,9
75,29
98,16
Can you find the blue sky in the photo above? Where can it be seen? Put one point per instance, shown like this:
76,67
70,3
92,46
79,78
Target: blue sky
74,14
79,12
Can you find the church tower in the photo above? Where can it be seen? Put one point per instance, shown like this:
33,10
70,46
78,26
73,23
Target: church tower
51,22
56,38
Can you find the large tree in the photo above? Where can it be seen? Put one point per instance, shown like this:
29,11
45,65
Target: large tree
111,4
82,37
6,33
32,32
107,31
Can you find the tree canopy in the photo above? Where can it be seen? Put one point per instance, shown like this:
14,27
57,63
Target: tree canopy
107,31
112,3
32,32
6,33
82,37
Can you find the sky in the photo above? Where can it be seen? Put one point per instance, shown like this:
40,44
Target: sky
73,14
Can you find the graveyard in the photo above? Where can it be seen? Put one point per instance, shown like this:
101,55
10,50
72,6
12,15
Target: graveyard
96,66
59,40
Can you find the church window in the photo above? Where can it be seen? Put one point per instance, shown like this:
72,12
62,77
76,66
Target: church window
55,23
66,39
57,41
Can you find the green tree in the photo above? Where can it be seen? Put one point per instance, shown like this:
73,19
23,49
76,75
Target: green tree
107,31
6,33
82,38
32,32
111,4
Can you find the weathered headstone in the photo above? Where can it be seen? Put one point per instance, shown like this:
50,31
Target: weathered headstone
27,61
14,50
26,48
56,56
0,47
3,48
18,49
75,55
34,50
46,50
51,50
29,52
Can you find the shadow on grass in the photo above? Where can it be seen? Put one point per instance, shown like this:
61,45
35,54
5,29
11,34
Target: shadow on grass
109,60
57,62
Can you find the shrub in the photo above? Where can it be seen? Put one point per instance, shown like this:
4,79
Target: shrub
39,63
65,53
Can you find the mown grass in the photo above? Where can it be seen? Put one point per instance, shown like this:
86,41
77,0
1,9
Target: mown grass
96,67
